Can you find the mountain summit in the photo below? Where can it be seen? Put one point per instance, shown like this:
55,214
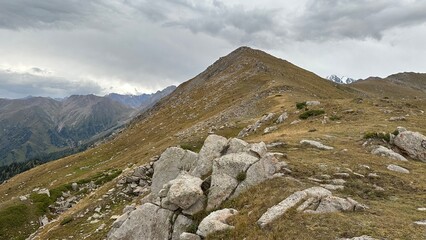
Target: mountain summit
341,79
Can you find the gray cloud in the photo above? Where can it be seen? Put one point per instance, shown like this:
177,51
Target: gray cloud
18,85
334,19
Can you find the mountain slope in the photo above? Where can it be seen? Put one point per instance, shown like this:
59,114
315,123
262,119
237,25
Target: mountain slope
36,127
401,84
232,93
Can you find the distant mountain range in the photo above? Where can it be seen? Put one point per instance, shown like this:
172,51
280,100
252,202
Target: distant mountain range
341,79
45,128
141,101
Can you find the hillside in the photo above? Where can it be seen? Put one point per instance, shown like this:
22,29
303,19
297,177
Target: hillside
406,84
36,127
230,95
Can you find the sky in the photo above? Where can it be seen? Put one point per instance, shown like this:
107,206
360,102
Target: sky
59,48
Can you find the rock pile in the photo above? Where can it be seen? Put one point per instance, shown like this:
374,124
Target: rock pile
138,181
253,128
185,183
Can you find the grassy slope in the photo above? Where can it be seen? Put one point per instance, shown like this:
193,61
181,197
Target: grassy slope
239,84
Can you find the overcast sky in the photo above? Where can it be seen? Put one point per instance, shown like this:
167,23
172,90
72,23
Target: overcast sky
58,48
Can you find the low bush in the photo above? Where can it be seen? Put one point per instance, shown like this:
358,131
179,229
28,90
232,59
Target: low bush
300,105
311,113
376,135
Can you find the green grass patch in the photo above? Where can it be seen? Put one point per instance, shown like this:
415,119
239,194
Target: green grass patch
311,113
376,135
241,176
12,219
300,105
192,146
335,118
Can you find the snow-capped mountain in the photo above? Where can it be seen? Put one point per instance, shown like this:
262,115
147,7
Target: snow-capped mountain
340,80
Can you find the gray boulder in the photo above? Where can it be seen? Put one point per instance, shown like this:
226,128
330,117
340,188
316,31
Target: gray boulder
189,236
184,191
282,118
215,222
213,148
385,152
397,168
413,143
146,222
172,161
181,225
236,145
315,144
224,176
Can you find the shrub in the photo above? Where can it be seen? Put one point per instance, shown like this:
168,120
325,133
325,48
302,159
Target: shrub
42,202
300,105
311,113
241,176
335,118
66,220
376,135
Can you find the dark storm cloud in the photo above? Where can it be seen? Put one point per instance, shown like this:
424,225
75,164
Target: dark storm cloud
333,19
18,85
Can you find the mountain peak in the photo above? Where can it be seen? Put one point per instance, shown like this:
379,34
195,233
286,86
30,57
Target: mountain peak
340,79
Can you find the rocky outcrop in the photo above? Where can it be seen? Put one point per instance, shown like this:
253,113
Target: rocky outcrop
228,168
253,128
215,222
412,143
315,200
315,144
386,152
282,118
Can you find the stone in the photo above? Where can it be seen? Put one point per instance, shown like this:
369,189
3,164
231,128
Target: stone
397,168
260,171
23,198
385,152
185,190
295,122
422,222
172,161
344,175
282,118
315,144
333,204
400,118
197,207
43,220
270,129
213,148
364,237
422,209
413,143
312,103
189,236
74,186
146,222
332,187
224,176
44,191
181,224
259,149
278,210
236,145
216,221
338,181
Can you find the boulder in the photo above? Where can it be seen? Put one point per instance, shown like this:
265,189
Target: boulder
413,143
184,191
189,236
385,152
44,191
215,222
213,148
224,176
282,118
259,149
270,129
315,144
146,222
180,225
197,207
74,186
312,103
397,168
236,145
333,204
172,161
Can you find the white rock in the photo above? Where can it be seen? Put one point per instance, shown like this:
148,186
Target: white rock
23,198
74,186
423,222
216,221
282,118
212,149
423,209
146,222
189,236
364,237
332,187
172,161
236,145
44,191
397,168
315,144
270,129
259,149
413,143
312,103
185,190
385,152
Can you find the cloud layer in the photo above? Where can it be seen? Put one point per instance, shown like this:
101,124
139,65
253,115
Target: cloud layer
101,46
